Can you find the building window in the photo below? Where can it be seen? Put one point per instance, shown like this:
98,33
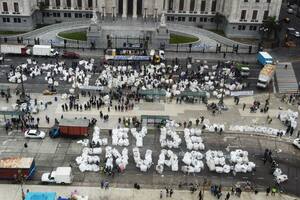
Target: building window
78,15
67,15
79,3
252,28
192,5
254,14
90,3
56,14
6,20
88,15
266,14
257,1
16,7
212,20
57,3
245,0
170,5
268,1
243,14
213,6
5,7
17,20
241,27
47,3
192,19
203,6
69,4
181,5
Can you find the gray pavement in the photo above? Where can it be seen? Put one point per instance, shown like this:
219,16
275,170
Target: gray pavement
95,193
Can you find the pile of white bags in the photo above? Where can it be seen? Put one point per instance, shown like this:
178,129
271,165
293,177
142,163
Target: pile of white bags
88,161
96,138
120,137
172,162
139,135
121,159
256,129
279,176
215,161
145,164
193,161
241,161
289,116
213,127
193,139
169,130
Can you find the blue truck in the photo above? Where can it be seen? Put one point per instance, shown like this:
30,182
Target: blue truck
264,58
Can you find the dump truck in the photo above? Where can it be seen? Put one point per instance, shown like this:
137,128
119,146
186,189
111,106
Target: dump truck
17,168
266,75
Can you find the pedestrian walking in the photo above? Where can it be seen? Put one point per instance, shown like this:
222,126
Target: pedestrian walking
227,196
171,192
244,106
268,191
298,134
161,194
167,192
202,119
200,195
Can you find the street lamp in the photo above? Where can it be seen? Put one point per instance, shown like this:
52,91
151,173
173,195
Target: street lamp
103,11
145,12
155,14
113,13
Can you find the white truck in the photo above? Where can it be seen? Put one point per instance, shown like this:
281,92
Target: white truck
14,49
62,175
266,75
43,50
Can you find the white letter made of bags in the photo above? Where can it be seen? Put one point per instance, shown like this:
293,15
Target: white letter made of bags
145,164
121,159
169,131
172,162
139,135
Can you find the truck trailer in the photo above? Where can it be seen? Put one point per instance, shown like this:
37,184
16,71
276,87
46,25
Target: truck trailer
16,168
70,128
14,49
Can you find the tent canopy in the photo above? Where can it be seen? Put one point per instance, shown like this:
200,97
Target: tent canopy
153,92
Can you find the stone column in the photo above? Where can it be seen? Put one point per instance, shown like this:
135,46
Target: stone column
124,15
187,5
83,5
72,4
208,6
134,15
198,5
50,4
166,5
94,5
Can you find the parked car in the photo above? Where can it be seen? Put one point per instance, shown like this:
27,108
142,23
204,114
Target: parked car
296,34
69,54
296,143
290,10
33,133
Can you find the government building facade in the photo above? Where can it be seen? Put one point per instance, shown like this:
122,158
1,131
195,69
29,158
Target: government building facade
237,18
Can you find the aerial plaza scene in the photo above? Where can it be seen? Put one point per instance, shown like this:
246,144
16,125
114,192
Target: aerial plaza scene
158,99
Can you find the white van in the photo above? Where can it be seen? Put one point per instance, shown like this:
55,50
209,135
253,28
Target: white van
62,175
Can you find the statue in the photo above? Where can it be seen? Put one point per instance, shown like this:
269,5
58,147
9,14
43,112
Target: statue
163,20
94,20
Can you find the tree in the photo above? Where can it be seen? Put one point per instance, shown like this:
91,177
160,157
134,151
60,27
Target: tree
218,19
271,28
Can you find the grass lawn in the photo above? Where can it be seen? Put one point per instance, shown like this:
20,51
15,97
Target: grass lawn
10,33
179,39
74,36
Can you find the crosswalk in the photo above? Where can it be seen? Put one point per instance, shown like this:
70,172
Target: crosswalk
286,79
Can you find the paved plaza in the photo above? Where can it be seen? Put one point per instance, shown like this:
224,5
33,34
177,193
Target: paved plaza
96,193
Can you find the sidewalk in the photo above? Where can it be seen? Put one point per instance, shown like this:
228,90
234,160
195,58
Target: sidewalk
96,193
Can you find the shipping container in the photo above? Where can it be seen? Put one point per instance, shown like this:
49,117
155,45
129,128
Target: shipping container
17,167
74,127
